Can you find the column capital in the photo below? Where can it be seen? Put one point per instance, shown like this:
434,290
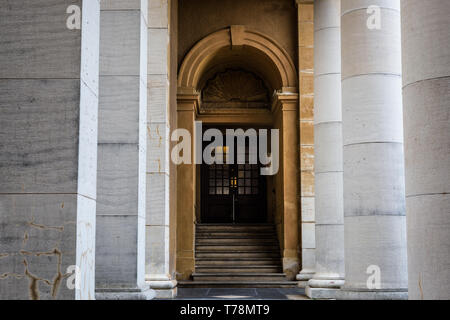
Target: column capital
285,102
188,99
297,2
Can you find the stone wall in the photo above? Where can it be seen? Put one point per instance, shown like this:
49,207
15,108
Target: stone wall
306,89
199,18
120,240
48,149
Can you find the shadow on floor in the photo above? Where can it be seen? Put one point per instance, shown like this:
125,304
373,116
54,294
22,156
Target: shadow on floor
241,294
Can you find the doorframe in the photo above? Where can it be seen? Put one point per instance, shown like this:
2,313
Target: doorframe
283,116
280,71
200,201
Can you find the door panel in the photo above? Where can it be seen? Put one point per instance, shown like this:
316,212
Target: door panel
216,194
233,193
250,194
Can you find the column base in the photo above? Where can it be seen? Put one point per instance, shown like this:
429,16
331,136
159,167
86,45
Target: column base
144,293
326,283
322,293
303,278
290,267
164,288
166,293
360,294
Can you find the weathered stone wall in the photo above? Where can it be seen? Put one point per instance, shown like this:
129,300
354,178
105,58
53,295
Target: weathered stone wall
426,94
329,208
173,72
120,241
48,148
161,175
198,19
306,89
372,126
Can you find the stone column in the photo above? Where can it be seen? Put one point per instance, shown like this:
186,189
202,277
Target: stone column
426,94
186,187
157,271
374,195
306,114
328,152
120,247
48,148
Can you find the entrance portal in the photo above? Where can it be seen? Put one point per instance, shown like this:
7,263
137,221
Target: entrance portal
239,77
233,193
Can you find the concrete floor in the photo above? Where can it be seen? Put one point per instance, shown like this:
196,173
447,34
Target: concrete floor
241,294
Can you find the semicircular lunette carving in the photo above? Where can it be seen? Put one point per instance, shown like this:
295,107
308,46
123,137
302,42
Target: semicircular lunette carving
235,89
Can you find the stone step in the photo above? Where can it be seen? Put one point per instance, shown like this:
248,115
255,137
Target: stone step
237,284
237,254
235,228
237,261
244,256
232,235
230,276
235,247
239,269
237,241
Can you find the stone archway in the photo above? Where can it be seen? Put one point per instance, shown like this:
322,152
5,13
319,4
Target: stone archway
237,46
281,68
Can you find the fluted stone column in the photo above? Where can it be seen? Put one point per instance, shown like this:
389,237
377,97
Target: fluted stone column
120,247
426,94
48,148
328,152
374,205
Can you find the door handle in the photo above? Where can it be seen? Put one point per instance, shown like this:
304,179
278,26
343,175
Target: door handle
233,182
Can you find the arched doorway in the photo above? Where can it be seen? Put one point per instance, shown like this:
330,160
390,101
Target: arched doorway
239,78
234,191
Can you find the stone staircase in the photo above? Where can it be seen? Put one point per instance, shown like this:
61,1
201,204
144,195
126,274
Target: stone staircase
237,255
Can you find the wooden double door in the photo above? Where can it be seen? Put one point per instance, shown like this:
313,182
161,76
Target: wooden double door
233,193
